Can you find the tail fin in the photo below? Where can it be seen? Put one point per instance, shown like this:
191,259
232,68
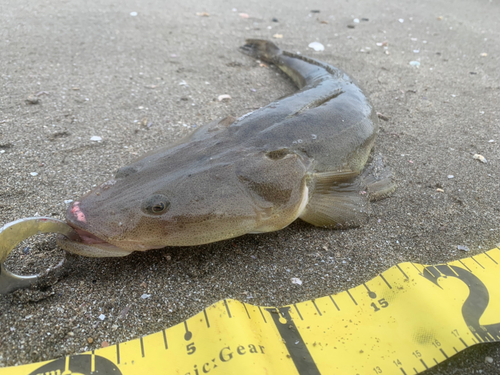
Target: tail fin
261,49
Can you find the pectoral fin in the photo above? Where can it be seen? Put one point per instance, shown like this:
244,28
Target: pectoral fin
342,199
338,201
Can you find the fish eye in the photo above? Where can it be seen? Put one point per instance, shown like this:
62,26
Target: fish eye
156,204
277,154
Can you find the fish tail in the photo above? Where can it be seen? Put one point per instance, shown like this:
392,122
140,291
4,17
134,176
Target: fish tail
261,49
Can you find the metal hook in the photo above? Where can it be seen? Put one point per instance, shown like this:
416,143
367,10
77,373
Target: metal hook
13,233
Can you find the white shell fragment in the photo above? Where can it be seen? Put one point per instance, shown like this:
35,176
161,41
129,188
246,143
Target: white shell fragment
296,280
415,63
317,46
96,138
34,174
102,316
481,158
224,97
462,247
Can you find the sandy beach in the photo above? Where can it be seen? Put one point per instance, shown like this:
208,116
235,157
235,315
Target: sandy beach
88,87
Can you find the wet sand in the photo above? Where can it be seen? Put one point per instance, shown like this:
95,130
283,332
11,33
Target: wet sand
141,81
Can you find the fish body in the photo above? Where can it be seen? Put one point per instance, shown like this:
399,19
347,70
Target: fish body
301,156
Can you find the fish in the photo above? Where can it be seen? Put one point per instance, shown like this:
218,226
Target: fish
306,155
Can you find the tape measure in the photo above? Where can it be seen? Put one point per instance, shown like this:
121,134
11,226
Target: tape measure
404,321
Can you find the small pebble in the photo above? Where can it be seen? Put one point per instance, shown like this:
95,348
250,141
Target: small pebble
32,99
488,360
244,15
133,14
316,46
382,116
104,344
440,190
450,176
278,36
34,174
416,64
356,20
401,20
102,316
96,138
481,158
296,280
144,296
224,97
275,19
462,247
90,340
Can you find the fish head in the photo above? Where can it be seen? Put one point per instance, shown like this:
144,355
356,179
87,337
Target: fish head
188,198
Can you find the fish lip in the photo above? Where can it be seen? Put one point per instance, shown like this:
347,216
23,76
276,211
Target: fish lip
89,245
95,250
88,238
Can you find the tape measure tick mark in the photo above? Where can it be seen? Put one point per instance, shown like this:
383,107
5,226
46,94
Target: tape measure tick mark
245,306
462,263
261,313
142,347
421,360
403,272
319,312
419,272
188,335
370,293
206,318
477,262
118,353
353,300
165,339
338,309
227,308
494,261
442,351
385,281
298,312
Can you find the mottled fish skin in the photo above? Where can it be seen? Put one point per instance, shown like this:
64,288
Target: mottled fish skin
301,156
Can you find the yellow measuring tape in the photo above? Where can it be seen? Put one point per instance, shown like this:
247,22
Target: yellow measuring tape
404,321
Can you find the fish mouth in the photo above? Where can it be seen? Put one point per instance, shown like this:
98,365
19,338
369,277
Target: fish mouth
89,238
89,245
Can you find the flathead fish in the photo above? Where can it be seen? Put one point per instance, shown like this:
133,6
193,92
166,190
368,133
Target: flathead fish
304,156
